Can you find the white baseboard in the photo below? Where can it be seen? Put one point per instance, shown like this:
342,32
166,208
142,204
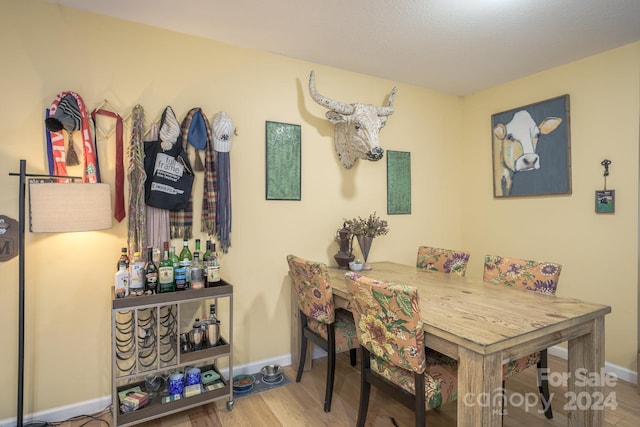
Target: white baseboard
96,405
62,412
620,372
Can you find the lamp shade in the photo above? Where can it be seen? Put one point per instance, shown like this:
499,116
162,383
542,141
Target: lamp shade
68,207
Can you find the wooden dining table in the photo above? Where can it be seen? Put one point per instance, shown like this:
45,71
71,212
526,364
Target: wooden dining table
484,326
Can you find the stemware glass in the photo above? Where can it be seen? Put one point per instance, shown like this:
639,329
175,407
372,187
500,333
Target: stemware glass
165,379
152,383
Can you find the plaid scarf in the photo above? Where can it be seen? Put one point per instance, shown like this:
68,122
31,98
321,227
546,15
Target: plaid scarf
182,221
57,141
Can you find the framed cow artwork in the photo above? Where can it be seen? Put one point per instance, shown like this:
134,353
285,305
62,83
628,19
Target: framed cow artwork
532,149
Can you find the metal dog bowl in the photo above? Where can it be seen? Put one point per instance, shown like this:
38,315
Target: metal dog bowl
271,372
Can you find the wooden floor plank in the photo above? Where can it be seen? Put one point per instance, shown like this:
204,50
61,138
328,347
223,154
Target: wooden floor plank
301,404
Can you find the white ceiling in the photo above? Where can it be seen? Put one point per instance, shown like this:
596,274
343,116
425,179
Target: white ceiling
452,46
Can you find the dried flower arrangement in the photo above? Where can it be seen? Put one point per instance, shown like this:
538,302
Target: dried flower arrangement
373,226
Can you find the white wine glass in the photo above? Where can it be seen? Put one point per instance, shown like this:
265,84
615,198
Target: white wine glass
165,379
152,383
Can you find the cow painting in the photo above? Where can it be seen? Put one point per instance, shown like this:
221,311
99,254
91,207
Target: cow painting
357,126
531,149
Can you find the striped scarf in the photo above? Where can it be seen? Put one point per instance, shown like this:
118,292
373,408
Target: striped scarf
182,221
57,142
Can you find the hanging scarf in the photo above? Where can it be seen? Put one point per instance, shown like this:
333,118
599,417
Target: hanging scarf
196,132
137,176
223,130
57,138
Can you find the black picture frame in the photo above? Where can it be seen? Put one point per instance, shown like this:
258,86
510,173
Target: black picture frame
283,161
398,182
531,149
605,201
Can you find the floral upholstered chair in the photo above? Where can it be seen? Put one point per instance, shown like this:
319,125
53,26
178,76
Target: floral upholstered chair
394,357
444,260
332,330
533,276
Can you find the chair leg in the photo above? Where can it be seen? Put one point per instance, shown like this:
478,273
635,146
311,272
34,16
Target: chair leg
331,366
504,401
543,384
353,356
365,387
420,405
303,347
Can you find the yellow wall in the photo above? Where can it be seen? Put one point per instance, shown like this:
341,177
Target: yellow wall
47,49
598,252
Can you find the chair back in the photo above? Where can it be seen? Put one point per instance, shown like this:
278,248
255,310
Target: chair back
522,274
313,289
443,260
388,323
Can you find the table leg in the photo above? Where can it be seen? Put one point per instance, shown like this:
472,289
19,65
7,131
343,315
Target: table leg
586,379
479,389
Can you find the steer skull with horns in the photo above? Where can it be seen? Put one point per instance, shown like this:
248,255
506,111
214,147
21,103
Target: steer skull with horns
357,126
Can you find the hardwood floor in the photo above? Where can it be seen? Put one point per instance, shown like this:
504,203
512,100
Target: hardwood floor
300,404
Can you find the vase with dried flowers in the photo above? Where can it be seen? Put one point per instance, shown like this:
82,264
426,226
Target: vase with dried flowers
365,230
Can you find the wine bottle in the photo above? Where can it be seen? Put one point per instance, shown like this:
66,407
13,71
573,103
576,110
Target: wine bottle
136,275
165,272
206,261
150,273
185,264
197,272
181,277
123,258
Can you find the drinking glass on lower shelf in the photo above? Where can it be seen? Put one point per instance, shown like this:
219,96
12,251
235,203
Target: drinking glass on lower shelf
165,379
152,383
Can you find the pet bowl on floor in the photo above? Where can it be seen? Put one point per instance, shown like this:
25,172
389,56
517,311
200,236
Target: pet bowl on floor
243,382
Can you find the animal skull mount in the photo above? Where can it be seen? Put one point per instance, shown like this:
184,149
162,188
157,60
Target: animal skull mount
357,126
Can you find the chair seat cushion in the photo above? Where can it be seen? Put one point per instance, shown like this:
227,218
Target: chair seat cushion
345,328
441,377
519,365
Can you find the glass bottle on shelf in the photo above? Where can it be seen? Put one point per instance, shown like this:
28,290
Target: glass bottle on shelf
124,257
150,273
197,272
213,268
121,282
136,275
185,263
182,279
166,282
205,261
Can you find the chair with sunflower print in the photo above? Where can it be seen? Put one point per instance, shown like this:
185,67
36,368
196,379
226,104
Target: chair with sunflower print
394,357
532,276
330,329
444,260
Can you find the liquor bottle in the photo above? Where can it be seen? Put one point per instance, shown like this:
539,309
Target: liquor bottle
197,272
123,258
213,268
205,261
121,282
150,273
185,263
165,272
136,275
213,327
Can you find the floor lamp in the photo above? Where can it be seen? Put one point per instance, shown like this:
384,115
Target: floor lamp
54,208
